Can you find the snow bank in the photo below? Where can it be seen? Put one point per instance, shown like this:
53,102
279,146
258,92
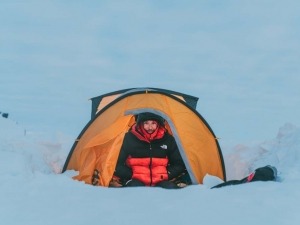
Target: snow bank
24,152
282,152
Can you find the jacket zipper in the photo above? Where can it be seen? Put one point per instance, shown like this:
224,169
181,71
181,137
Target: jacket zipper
150,165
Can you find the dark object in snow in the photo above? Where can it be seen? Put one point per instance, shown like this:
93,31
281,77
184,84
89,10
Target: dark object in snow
5,115
266,173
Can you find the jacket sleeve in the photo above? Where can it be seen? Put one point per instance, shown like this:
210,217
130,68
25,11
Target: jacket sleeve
122,170
176,165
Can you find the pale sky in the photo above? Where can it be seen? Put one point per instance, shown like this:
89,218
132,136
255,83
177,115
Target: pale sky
241,58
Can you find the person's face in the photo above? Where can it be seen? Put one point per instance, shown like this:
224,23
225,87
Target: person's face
150,126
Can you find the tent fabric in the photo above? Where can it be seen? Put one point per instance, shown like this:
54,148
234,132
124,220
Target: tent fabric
99,144
100,101
99,151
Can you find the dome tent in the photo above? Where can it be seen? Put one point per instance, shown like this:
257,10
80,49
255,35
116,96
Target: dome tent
99,143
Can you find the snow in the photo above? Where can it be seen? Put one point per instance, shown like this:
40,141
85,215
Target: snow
241,59
33,191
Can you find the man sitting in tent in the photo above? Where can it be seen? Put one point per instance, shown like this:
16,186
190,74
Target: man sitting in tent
149,155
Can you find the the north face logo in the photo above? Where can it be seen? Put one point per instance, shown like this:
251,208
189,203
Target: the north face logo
164,147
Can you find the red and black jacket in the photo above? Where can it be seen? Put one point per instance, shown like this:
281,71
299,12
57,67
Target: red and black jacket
149,161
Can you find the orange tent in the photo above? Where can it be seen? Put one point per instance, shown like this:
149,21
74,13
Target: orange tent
99,143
